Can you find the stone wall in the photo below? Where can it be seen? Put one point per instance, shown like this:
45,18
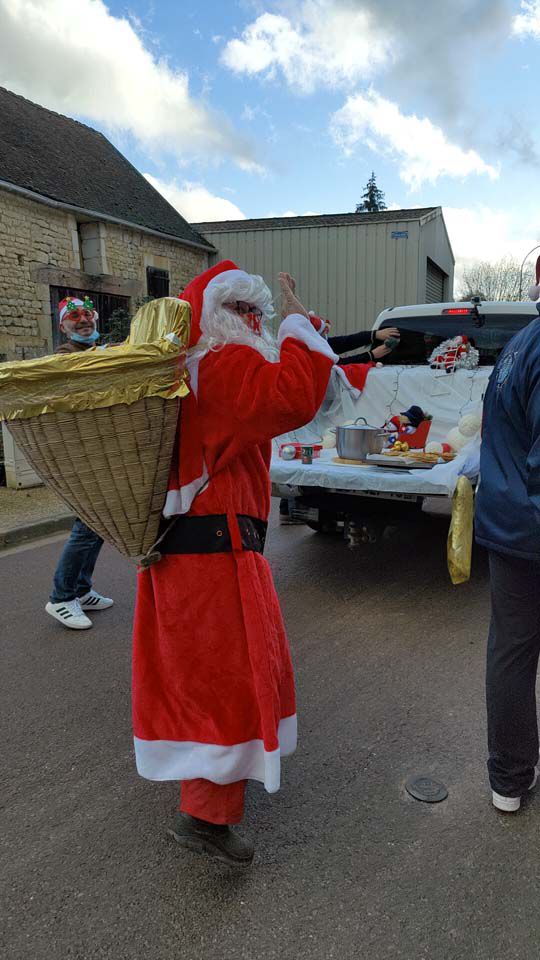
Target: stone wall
42,246
31,234
130,252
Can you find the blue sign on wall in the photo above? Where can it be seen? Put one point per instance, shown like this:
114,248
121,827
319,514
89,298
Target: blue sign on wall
399,234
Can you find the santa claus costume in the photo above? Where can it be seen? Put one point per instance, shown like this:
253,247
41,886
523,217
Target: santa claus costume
213,688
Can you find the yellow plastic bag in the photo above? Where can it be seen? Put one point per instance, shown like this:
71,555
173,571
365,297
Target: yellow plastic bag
460,535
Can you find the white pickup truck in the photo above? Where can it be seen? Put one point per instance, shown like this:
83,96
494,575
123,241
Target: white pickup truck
364,499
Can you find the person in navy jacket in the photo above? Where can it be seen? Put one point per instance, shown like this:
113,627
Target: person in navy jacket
508,525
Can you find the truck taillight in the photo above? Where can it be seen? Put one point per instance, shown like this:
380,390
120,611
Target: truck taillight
452,311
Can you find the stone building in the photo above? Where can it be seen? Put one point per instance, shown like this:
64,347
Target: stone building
76,216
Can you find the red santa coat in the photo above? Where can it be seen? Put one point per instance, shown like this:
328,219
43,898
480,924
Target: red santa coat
213,686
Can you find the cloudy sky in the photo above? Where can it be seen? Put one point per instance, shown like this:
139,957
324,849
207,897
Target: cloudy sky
254,108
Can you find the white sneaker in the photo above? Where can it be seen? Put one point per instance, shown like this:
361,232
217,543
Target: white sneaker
510,804
69,612
94,601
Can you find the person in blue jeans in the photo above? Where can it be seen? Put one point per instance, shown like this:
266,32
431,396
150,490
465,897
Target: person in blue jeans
508,526
72,592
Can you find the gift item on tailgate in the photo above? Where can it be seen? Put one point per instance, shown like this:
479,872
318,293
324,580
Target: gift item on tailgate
412,427
293,450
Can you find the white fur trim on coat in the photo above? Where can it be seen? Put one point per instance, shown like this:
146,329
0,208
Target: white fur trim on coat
300,328
183,760
179,501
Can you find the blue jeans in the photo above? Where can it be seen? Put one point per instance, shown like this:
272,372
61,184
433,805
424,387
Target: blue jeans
73,575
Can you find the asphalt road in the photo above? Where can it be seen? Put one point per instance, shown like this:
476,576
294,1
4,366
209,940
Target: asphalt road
389,661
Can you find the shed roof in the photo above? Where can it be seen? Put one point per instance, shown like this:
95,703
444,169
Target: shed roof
72,164
316,220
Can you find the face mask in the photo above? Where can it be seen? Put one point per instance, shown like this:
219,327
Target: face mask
253,320
91,339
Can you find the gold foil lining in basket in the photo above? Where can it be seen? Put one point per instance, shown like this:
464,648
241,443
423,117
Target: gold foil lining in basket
103,377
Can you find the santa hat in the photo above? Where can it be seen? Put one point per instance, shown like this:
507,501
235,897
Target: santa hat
534,289
189,475
321,325
195,292
74,302
353,376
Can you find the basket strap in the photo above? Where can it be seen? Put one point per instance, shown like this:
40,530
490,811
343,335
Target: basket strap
153,555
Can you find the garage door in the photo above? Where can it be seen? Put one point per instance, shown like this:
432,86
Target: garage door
435,278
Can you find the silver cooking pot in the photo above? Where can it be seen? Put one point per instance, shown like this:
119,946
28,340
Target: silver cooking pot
356,441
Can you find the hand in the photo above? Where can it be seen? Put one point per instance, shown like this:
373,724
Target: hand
290,281
290,303
387,332
380,352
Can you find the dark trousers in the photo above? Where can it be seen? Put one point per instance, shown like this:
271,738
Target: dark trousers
512,662
73,575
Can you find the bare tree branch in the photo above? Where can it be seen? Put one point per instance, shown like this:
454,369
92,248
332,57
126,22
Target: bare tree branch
495,281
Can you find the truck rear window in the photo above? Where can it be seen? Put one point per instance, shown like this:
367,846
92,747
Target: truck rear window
420,335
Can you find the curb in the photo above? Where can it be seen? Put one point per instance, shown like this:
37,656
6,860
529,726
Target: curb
34,531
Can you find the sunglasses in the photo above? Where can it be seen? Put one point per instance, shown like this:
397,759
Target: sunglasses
244,308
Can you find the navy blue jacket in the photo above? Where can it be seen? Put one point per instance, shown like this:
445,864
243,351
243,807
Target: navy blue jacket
508,500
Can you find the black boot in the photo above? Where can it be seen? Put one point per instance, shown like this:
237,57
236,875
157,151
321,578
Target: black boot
216,840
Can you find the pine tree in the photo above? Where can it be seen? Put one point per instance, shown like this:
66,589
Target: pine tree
372,198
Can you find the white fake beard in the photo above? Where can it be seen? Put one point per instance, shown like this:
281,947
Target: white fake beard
226,327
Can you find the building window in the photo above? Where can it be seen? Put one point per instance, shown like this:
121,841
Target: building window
157,282
105,304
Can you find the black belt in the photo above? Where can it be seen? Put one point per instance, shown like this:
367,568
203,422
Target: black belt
211,534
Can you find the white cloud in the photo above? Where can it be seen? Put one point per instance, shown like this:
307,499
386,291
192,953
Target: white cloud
486,233
293,213
422,150
322,44
195,202
75,57
528,21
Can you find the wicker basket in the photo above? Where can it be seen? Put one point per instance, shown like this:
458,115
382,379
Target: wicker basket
99,427
110,465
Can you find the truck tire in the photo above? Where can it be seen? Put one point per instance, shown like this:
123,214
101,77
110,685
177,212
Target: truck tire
326,523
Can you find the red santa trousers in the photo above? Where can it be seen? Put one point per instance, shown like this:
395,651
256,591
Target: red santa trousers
213,802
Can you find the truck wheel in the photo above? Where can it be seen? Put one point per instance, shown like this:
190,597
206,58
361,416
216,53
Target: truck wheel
326,523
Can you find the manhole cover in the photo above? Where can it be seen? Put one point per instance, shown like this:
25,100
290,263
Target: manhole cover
426,789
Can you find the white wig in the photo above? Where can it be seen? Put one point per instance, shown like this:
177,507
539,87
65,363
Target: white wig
221,326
